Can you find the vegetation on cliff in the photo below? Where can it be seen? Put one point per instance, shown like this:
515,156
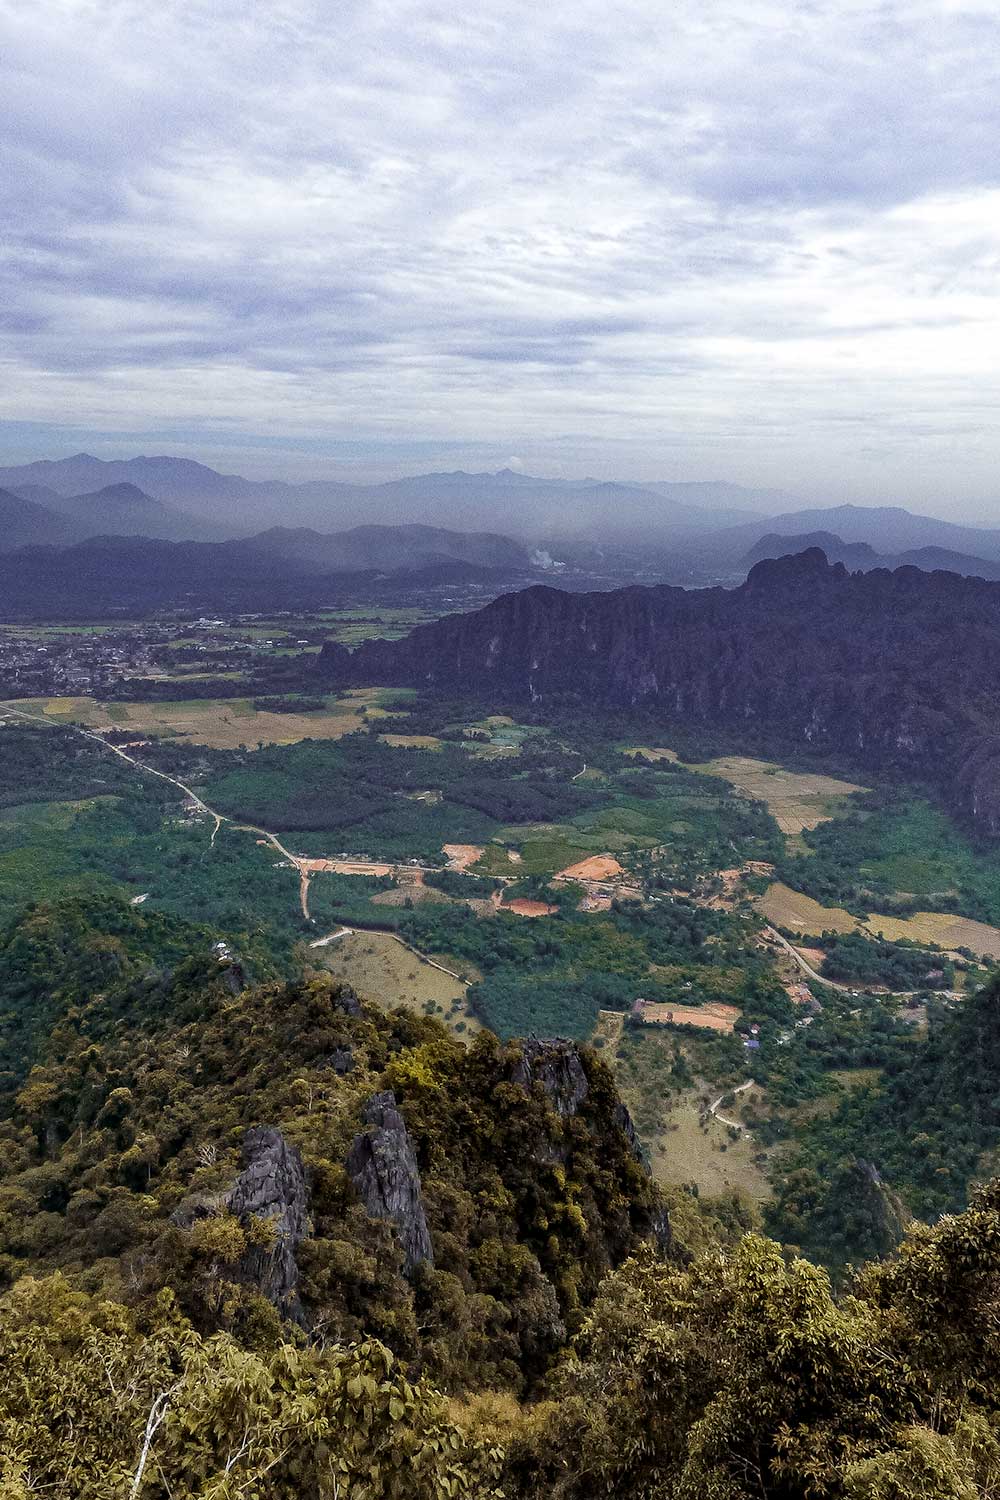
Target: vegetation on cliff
257,1238
897,671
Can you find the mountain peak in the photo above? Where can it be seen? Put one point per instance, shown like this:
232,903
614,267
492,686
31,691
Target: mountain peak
811,566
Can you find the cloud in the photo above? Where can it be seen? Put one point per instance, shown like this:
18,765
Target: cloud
714,239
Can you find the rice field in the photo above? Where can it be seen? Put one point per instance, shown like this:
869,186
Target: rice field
796,800
800,914
219,723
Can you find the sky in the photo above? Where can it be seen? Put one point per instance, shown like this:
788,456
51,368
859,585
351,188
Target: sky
710,239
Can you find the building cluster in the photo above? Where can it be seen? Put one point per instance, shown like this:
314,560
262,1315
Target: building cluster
35,664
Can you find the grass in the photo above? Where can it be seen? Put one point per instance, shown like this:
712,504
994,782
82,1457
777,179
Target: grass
681,1149
223,723
797,913
943,928
380,970
795,800
412,741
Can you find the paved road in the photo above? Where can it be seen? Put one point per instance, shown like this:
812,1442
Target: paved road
197,802
852,989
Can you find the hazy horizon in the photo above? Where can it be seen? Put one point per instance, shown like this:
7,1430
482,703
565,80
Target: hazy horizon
736,242
305,468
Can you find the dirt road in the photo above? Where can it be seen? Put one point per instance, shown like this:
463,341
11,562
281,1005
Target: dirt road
432,963
713,1109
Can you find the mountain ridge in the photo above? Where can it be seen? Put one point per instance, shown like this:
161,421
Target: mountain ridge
894,670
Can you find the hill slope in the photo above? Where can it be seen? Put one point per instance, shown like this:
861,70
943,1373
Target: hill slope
898,671
888,529
26,523
393,548
461,1204
125,510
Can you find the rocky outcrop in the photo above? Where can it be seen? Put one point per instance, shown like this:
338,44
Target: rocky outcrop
272,1188
896,671
383,1167
344,999
554,1064
627,1127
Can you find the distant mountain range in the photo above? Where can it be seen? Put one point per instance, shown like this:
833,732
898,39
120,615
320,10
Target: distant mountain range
278,569
34,515
899,671
505,501
860,557
395,549
25,523
604,531
888,529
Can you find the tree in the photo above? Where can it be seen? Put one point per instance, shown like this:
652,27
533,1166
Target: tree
95,1405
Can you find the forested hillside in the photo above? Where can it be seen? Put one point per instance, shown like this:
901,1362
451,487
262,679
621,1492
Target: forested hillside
893,671
257,1238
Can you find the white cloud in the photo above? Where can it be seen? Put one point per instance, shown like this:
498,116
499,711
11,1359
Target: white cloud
736,239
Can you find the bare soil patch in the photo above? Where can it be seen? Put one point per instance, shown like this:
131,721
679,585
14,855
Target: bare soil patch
598,867
525,908
712,1017
462,856
344,867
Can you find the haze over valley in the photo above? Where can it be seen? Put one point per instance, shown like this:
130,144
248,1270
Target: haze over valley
500,751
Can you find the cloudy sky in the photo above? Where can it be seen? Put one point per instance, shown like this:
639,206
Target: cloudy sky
707,239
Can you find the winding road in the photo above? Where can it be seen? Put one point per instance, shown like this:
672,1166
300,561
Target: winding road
849,989
713,1109
198,803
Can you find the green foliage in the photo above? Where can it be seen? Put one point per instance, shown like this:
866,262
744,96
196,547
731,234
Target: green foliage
740,1376
553,977
58,955
929,1125
465,887
54,764
119,1149
356,789
133,842
896,853
99,1404
852,958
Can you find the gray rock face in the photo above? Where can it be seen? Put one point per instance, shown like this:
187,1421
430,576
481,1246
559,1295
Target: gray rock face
383,1167
272,1186
347,1001
554,1063
625,1124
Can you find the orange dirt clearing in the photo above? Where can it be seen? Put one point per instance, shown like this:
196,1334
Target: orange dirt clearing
597,867
462,856
343,867
711,1017
524,908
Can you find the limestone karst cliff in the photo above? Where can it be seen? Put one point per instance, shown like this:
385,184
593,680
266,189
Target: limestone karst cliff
897,671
